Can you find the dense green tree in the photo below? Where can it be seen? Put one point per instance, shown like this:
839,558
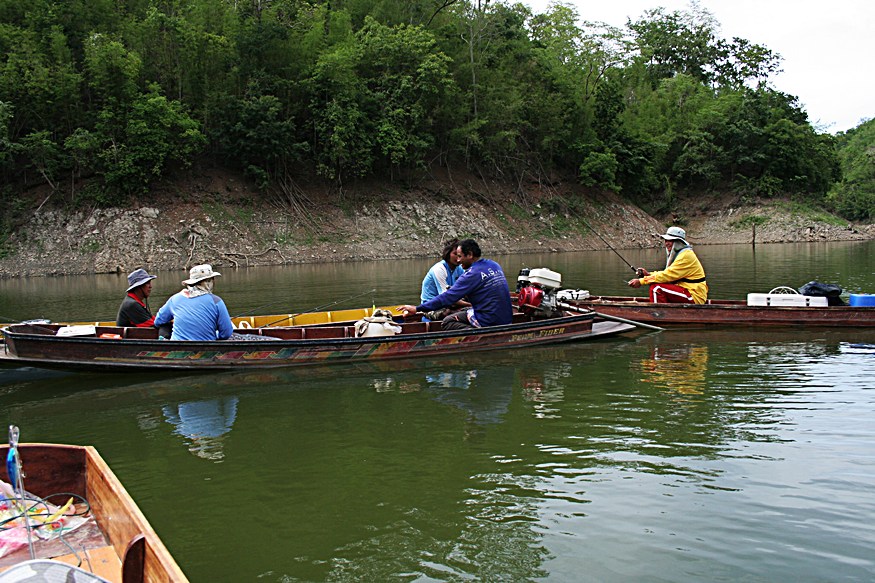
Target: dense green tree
688,42
136,144
6,144
406,80
119,94
854,195
113,71
254,135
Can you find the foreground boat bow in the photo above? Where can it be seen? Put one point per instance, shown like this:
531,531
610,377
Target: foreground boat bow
116,543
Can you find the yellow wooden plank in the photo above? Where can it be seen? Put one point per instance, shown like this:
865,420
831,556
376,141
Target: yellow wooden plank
102,561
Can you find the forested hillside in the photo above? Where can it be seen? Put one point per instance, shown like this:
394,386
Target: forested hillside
100,99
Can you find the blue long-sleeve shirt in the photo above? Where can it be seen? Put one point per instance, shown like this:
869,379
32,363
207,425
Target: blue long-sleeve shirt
199,318
439,279
485,286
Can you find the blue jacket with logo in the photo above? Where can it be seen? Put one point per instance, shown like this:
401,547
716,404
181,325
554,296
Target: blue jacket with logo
485,286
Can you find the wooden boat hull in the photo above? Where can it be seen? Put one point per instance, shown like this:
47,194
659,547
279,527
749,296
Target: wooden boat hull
129,550
728,313
294,346
269,320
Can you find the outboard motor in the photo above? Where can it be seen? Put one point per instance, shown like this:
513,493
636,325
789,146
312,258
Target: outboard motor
539,296
522,279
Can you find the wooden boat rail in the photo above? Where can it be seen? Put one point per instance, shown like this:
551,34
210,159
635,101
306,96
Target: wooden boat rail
131,551
729,313
328,318
321,331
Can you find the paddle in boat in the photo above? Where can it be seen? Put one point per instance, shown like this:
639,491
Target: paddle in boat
64,516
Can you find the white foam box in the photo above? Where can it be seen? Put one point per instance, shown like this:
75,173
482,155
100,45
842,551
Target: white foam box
545,277
784,300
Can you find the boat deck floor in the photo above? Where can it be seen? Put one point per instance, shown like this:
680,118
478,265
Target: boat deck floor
92,552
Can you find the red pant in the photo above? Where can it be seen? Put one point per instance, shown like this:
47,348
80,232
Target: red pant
669,293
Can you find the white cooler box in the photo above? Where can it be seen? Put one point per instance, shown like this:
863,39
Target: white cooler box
785,300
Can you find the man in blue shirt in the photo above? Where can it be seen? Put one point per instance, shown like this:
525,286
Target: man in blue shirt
441,277
444,273
197,314
483,284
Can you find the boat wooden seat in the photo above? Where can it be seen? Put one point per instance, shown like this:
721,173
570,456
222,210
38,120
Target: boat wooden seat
414,327
286,333
318,333
434,326
149,333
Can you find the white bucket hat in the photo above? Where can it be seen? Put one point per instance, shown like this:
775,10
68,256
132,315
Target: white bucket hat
675,234
138,277
200,273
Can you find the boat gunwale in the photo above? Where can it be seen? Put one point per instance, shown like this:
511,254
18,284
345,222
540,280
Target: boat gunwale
712,304
273,341
119,519
730,313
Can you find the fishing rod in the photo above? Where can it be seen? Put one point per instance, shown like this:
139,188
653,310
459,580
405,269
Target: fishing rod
322,307
258,309
632,267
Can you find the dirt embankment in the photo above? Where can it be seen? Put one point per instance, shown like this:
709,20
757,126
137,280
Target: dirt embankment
212,219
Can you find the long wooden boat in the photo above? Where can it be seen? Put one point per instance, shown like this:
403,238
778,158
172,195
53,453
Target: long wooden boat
114,348
115,541
313,318
727,313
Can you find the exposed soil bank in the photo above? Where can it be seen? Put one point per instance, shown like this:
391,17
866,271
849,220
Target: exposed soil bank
220,219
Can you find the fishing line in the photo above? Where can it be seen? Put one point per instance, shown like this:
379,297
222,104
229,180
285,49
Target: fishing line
322,307
258,309
632,267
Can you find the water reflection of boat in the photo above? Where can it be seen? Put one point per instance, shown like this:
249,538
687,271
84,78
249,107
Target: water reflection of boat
679,368
484,394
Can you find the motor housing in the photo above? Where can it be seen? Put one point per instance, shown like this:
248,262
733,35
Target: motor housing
537,294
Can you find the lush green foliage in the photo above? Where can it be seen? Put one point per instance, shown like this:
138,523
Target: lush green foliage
854,196
121,93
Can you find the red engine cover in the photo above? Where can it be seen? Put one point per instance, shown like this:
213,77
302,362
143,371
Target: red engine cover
530,298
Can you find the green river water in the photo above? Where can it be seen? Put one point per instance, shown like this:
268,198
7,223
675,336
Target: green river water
687,455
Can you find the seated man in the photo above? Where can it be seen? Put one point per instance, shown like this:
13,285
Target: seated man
197,314
683,279
441,277
483,284
134,310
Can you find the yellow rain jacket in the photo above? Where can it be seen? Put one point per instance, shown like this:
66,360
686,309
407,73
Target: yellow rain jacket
685,271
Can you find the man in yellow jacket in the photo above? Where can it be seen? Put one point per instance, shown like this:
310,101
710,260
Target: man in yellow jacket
683,279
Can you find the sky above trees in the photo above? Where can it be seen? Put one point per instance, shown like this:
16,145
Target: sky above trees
826,47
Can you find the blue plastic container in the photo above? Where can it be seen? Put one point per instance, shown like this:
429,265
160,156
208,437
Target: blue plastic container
862,300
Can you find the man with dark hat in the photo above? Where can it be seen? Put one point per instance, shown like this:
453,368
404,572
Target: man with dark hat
134,310
683,279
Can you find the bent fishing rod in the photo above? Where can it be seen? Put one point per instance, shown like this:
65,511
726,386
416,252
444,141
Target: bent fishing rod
632,267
